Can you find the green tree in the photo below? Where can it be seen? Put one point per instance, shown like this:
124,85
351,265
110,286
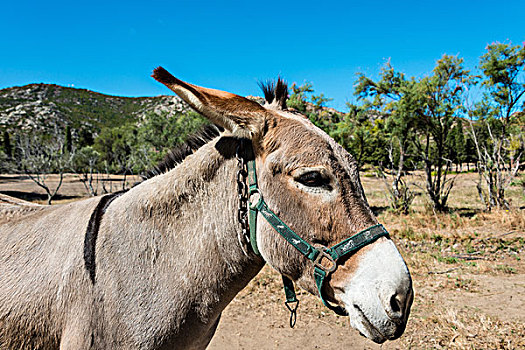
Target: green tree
6,141
499,117
319,101
115,146
460,143
392,98
68,143
361,134
132,149
456,144
313,106
298,97
85,138
440,101
163,132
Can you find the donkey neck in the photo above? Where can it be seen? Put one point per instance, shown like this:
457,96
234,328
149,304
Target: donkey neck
192,211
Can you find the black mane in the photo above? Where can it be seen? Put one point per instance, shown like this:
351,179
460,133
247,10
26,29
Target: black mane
275,91
178,154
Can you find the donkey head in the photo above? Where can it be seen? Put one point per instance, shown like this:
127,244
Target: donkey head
313,185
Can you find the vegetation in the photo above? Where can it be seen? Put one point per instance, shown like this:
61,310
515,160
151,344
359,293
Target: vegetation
402,124
397,124
41,156
501,122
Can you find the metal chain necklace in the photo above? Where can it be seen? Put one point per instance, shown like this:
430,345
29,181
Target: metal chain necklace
242,193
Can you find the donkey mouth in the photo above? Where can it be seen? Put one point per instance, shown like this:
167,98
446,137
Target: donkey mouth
366,328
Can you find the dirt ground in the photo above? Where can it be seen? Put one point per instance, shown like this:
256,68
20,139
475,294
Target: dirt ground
467,267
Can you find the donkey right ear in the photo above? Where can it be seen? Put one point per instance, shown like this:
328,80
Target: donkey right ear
240,116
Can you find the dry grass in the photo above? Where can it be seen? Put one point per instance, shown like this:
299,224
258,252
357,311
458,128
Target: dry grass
462,329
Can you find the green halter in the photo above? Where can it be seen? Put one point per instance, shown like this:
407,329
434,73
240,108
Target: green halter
324,259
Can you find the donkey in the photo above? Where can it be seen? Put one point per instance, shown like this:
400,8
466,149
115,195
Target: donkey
153,268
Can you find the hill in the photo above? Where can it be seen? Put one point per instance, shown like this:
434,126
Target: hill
45,107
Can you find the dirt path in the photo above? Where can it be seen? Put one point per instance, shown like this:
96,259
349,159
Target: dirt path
502,296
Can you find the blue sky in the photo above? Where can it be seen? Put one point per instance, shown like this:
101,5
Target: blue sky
230,45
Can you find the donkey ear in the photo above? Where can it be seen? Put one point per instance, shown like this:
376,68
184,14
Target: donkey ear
235,113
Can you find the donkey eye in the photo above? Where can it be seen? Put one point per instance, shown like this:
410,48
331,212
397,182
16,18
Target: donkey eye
314,179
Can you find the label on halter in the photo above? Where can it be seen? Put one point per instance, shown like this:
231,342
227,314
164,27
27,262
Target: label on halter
358,240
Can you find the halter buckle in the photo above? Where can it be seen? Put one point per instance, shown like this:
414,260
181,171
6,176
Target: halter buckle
318,261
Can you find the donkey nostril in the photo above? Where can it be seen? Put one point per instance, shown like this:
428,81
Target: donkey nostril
395,304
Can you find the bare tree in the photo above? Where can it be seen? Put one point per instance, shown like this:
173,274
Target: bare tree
85,162
399,192
40,156
497,164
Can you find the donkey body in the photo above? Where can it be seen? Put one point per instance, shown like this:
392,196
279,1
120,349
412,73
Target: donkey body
167,257
167,263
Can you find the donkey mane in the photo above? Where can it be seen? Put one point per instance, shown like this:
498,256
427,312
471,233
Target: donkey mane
274,92
176,155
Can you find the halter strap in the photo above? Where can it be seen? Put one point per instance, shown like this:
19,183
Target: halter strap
324,259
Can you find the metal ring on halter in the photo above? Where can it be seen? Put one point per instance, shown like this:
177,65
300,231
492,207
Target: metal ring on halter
258,196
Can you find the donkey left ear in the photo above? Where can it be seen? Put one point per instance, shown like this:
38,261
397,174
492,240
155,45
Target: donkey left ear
235,113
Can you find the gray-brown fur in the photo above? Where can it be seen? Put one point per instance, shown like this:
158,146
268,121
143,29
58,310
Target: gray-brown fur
168,262
168,259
